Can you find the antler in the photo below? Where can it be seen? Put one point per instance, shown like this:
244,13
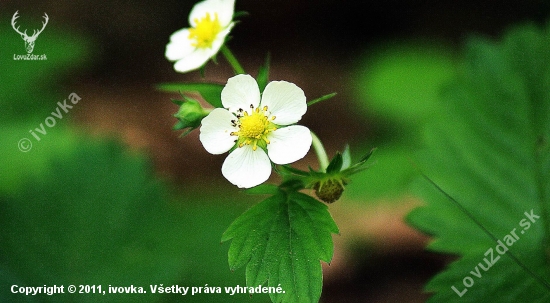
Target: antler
34,33
15,16
43,26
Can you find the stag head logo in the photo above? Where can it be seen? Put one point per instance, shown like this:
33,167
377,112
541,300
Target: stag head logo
29,40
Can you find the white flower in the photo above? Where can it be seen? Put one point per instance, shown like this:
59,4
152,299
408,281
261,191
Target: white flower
211,22
254,125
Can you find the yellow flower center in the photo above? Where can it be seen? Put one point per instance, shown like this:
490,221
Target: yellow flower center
205,32
254,128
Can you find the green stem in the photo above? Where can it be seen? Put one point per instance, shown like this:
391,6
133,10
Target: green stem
232,60
320,151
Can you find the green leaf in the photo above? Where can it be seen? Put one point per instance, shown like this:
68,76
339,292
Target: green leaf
263,189
96,215
211,92
489,151
281,240
263,74
65,228
402,81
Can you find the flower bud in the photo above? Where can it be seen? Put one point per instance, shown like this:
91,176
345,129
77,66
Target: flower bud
189,115
329,190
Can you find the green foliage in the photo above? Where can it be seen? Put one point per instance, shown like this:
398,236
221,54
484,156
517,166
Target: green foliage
389,175
490,150
29,92
281,240
210,92
402,81
27,87
397,90
96,215
76,210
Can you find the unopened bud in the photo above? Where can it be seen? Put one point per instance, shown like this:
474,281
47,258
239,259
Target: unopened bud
190,115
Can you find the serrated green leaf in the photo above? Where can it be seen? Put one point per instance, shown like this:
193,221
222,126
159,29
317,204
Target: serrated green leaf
489,151
211,92
281,240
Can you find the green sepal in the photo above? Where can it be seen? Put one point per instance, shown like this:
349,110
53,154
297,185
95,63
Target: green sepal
214,59
263,73
358,167
240,14
190,115
202,71
177,102
335,164
210,92
323,98
346,158
179,125
292,185
289,169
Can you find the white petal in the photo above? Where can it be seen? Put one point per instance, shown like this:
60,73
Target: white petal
179,46
289,144
194,60
241,91
246,167
223,8
180,35
285,101
220,39
216,131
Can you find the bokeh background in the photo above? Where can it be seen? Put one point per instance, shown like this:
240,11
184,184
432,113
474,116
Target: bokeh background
112,196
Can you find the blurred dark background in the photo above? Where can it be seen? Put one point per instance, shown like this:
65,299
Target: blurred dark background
132,34
321,46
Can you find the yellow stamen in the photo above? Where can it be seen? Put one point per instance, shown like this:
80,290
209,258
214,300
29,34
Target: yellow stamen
254,128
205,31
